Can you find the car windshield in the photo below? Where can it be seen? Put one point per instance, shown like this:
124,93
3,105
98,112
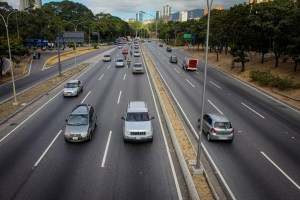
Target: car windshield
137,117
107,56
223,125
120,60
71,85
78,120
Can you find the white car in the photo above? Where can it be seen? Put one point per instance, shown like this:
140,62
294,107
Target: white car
138,68
73,88
136,54
120,62
106,58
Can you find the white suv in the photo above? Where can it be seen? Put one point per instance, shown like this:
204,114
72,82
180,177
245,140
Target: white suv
137,122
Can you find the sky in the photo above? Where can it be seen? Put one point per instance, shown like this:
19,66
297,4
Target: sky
128,8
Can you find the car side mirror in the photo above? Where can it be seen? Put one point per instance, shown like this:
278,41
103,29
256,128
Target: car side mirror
123,118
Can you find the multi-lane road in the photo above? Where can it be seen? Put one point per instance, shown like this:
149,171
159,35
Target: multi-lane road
263,162
37,163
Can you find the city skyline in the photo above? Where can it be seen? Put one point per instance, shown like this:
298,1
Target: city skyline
127,9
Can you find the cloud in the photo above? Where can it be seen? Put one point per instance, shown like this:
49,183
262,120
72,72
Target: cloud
129,8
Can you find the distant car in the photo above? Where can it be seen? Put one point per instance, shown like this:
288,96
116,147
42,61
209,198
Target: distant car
169,49
136,46
120,62
173,59
161,45
137,122
106,58
120,46
149,40
138,68
73,88
81,123
35,56
125,51
136,54
217,127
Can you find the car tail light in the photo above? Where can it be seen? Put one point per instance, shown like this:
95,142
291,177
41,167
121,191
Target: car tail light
213,130
232,132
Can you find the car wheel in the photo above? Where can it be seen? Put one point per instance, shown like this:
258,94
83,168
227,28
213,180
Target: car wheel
151,140
208,137
124,140
90,137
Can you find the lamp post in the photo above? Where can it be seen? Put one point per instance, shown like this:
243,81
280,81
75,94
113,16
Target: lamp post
9,52
89,35
75,28
155,22
198,169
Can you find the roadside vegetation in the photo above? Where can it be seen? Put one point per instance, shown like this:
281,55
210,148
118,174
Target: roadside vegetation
262,28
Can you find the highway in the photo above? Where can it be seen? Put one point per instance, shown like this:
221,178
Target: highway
37,73
37,163
263,162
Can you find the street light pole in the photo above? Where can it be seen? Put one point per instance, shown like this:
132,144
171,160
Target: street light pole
155,22
9,52
89,35
75,28
198,169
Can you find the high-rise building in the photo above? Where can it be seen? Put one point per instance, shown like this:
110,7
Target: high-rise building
139,17
26,3
167,10
183,16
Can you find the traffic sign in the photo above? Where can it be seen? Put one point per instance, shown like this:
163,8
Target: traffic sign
187,36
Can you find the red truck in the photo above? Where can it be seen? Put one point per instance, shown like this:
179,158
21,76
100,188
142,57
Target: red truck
190,64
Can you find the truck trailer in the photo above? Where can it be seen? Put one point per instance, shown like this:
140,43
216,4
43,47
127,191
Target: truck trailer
190,64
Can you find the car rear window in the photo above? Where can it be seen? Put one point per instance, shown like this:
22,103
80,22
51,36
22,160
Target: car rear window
71,85
137,117
223,125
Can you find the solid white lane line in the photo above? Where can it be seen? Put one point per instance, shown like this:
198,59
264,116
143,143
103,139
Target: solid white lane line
106,149
215,84
281,170
101,77
86,97
42,156
176,70
165,140
124,77
253,110
29,117
215,107
190,83
108,66
119,97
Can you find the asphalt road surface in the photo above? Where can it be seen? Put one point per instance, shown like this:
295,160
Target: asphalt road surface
263,162
37,163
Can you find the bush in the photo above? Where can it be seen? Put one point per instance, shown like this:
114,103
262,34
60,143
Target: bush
262,77
267,79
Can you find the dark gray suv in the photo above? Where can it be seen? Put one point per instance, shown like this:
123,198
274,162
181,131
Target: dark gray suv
81,123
